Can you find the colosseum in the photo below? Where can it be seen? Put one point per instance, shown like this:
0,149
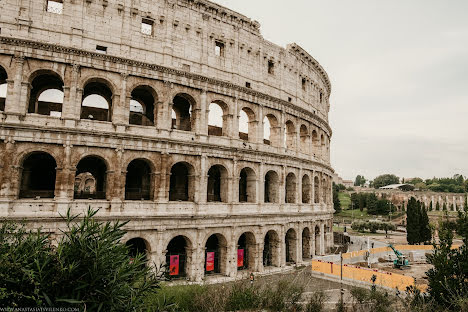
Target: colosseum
174,114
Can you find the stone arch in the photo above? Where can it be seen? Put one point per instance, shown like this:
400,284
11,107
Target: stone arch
305,139
290,240
138,245
139,180
90,178
271,130
143,105
3,87
182,182
46,93
97,100
290,189
316,190
306,189
218,113
217,184
246,253
183,105
317,240
38,174
179,256
271,190
289,135
247,185
306,236
247,124
215,254
271,249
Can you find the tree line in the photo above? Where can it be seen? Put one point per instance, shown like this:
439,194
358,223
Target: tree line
418,229
372,203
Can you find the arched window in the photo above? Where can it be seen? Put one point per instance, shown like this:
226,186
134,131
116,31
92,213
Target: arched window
216,120
305,189
271,248
137,246
182,110
316,190
97,101
142,106
290,191
217,184
246,124
138,180
271,130
306,252
290,242
246,251
247,186
46,95
181,184
38,176
90,178
290,135
304,133
215,254
177,258
3,88
271,187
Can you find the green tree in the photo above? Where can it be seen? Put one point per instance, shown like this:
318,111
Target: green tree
413,221
385,179
354,200
362,201
336,201
371,203
430,206
425,228
444,206
437,206
448,279
360,180
89,269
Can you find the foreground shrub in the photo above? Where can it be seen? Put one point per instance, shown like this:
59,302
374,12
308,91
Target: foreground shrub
90,268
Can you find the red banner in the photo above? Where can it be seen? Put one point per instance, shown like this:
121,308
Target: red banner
174,265
240,258
210,261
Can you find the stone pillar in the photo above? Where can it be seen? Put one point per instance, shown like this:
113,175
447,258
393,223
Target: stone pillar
13,106
260,125
162,180
235,120
70,108
231,258
322,238
63,183
259,265
299,189
203,183
234,188
260,187
7,171
312,240
298,242
114,189
282,247
201,123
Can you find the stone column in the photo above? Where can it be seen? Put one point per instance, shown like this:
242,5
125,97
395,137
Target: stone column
121,104
62,181
231,258
201,116
259,258
203,183
282,247
71,107
298,242
260,125
235,120
7,192
260,185
322,238
114,189
234,198
13,106
162,183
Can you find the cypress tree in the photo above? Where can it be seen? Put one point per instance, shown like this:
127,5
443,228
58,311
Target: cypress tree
412,221
430,206
444,206
437,206
425,234
452,207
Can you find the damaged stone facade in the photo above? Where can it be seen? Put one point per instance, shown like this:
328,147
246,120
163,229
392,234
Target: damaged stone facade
107,104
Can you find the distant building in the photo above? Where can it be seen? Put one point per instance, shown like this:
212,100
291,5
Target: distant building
402,187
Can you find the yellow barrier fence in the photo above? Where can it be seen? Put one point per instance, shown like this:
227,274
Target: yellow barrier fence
358,253
385,279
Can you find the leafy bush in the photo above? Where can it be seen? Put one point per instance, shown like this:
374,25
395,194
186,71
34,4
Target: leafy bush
373,227
89,269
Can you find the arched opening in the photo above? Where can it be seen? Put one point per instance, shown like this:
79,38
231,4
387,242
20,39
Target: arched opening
290,242
316,190
38,176
271,249
46,95
324,191
142,106
182,110
3,88
271,130
290,189
138,180
181,184
177,257
315,143
247,186
137,246
322,148
97,101
304,134
271,187
216,120
217,184
306,244
305,189
317,241
246,251
215,254
290,135
90,178
247,124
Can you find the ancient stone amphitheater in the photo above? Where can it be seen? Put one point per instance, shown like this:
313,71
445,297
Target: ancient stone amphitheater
174,114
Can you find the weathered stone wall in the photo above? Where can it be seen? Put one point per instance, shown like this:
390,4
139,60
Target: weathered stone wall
177,59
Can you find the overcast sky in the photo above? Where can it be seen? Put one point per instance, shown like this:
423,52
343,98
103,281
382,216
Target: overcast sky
399,73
